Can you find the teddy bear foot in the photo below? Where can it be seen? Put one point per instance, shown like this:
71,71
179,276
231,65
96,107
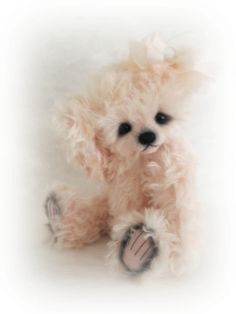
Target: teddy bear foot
138,249
53,213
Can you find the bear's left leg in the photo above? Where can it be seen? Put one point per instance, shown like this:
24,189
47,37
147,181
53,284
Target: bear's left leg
141,241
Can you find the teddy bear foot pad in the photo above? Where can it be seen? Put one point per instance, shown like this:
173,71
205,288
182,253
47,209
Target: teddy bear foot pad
53,213
138,249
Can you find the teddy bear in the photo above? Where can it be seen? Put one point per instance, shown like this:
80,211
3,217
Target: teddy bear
126,130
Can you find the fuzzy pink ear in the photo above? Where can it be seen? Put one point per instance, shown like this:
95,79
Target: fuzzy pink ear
77,125
183,85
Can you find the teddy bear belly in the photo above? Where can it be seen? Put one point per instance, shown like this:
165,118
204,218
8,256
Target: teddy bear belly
130,199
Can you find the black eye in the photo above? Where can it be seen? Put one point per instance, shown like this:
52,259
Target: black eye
162,118
124,128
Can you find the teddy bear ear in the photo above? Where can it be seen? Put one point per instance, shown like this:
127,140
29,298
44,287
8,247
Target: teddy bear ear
75,122
184,85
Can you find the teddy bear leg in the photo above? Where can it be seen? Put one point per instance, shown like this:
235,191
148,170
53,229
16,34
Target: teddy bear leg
75,222
140,242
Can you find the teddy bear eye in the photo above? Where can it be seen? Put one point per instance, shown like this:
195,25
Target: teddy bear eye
124,128
162,118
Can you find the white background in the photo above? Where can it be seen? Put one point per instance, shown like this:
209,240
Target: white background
48,50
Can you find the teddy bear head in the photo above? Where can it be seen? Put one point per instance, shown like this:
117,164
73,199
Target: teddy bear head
130,109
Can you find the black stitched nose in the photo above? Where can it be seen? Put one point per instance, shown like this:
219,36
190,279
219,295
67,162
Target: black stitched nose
147,137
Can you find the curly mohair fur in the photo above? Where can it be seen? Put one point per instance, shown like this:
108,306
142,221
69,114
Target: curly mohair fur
154,186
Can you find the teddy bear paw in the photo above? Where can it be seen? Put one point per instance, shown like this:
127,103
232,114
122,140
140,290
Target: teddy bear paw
138,249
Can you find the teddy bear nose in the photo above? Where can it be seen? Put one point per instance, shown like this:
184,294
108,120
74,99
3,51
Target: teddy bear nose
147,138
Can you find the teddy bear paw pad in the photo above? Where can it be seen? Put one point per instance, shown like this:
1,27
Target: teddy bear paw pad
53,212
138,249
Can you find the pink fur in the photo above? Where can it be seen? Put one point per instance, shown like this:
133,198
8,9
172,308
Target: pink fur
155,186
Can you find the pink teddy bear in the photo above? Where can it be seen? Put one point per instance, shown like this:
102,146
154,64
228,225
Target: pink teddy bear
126,130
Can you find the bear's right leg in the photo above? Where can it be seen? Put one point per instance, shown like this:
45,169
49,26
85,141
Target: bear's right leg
74,221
